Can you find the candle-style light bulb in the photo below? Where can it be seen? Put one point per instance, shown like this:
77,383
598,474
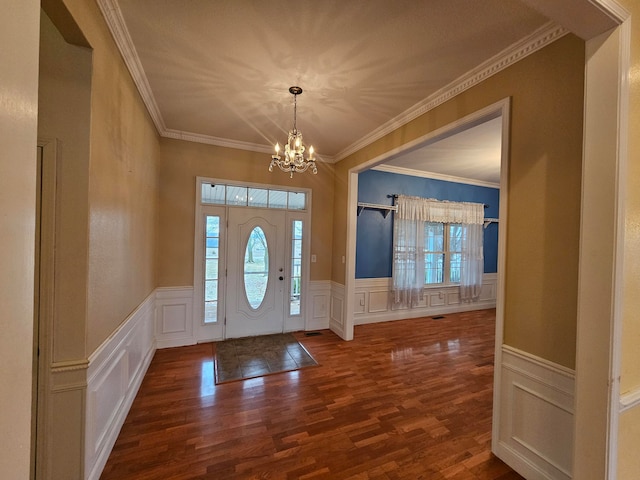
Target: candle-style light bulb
311,151
277,148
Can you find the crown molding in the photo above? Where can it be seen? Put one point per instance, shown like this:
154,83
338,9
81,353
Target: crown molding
612,9
435,176
115,21
220,142
110,9
548,33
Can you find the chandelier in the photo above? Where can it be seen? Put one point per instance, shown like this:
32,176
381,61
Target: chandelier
293,160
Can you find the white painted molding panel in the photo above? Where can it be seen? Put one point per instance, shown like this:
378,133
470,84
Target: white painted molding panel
318,300
372,302
336,309
114,375
174,317
536,416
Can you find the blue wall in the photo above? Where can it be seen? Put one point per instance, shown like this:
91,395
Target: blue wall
374,237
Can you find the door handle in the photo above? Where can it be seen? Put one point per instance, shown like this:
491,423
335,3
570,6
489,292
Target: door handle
280,277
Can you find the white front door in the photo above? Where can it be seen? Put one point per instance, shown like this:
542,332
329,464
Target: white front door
256,275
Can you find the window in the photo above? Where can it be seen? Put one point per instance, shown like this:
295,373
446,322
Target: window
212,257
256,267
442,252
296,267
242,196
436,243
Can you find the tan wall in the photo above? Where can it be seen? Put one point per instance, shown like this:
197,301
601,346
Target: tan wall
543,197
123,178
19,24
183,161
631,335
64,96
629,437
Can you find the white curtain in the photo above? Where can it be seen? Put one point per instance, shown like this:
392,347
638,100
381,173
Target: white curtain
408,273
472,264
408,261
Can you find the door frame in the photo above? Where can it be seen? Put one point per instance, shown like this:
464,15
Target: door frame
291,322
44,276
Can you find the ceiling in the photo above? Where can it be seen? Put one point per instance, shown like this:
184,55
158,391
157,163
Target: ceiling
219,71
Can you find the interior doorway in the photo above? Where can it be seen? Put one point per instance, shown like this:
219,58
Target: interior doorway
498,110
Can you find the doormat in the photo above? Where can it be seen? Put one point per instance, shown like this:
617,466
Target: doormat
250,357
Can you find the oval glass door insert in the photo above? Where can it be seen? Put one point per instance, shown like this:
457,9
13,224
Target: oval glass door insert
256,267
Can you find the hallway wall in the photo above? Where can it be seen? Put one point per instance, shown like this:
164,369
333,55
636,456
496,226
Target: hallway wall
19,36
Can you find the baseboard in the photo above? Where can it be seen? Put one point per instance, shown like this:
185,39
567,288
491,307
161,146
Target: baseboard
114,375
535,414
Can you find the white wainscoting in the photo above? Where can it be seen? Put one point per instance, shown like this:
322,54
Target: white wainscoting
336,310
174,317
318,301
114,375
373,300
536,418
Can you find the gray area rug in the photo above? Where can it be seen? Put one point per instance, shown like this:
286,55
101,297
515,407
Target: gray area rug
242,358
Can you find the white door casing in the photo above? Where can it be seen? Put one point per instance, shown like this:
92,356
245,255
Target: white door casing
219,283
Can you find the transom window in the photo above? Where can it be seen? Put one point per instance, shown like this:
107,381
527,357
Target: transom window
242,196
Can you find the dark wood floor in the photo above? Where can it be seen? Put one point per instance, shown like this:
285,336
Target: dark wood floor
408,399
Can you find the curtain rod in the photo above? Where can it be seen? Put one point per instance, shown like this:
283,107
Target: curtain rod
395,195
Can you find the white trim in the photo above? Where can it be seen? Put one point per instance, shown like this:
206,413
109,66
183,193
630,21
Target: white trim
220,142
613,10
174,304
502,263
373,300
216,331
115,21
629,400
436,176
317,300
114,374
548,33
45,448
619,403
337,310
538,444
